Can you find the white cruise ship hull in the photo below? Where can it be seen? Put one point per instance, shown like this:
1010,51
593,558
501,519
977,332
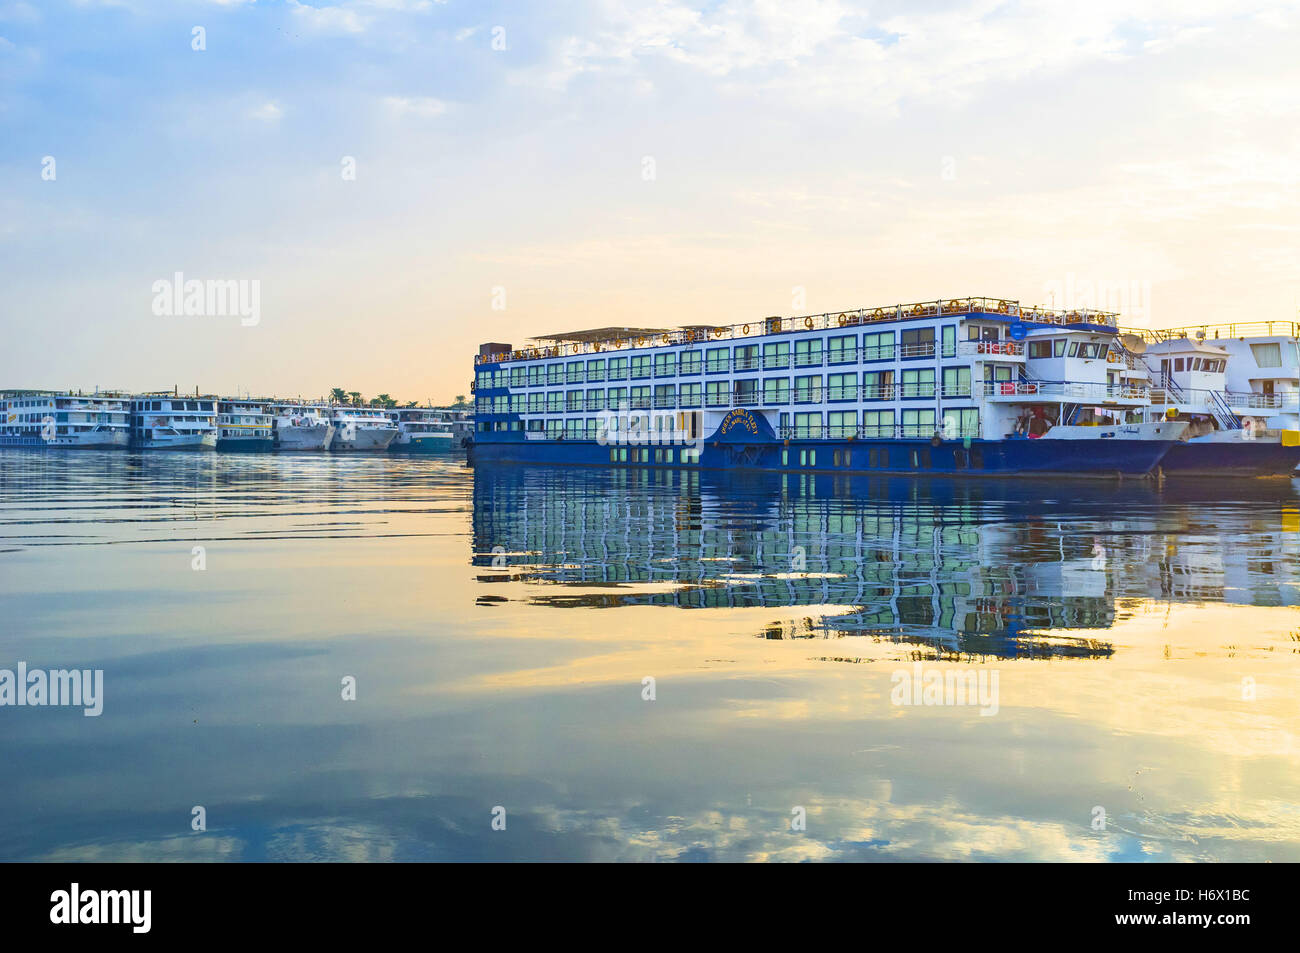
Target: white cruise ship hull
197,441
95,440
366,439
304,438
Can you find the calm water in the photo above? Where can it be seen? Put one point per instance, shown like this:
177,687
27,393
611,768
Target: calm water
499,626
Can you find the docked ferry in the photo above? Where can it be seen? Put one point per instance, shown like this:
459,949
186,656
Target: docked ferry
420,430
361,429
60,419
167,421
301,427
963,386
1238,388
244,426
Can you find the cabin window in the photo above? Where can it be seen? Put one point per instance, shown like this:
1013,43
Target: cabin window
812,458
1058,347
573,401
613,454
641,365
746,357
842,349
956,382
717,393
1040,348
878,346
878,385
746,391
776,390
918,382
554,373
917,342
717,360
835,459
808,390
665,396
596,370
842,387
918,423
776,355
877,423
842,423
808,425
808,353
690,395
785,458
689,362
873,459
1178,364
949,339
1267,355
665,365
574,372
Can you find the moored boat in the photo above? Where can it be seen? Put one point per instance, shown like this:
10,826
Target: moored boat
364,429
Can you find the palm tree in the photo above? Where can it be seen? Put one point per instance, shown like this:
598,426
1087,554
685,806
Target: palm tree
460,401
338,395
383,400
411,403
356,397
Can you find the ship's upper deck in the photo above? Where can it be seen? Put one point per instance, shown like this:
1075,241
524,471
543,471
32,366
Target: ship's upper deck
617,338
1240,329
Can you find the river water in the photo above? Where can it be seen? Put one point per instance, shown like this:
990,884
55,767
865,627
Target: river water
373,658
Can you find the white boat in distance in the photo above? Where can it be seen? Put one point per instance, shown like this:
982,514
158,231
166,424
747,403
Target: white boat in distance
170,422
362,429
302,427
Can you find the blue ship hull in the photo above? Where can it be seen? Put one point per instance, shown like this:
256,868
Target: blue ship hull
1011,457
1243,458
425,445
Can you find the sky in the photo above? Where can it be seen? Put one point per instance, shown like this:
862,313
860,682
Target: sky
402,180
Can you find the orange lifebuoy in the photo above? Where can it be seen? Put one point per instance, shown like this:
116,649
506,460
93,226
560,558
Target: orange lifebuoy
808,323
745,329
1002,307
843,319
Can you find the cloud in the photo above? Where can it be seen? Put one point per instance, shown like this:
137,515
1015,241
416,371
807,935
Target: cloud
267,112
423,106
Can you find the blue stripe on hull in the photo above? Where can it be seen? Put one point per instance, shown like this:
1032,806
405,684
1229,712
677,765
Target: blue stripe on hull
1244,458
1100,458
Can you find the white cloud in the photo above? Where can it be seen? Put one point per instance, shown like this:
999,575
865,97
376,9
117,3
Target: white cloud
422,106
267,112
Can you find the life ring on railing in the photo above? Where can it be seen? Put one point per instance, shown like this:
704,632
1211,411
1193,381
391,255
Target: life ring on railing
717,332
808,323
1002,307
954,306
917,309
878,315
745,329
843,319
1111,358
1031,388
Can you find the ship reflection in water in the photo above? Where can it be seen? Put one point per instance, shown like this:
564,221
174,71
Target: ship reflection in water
641,665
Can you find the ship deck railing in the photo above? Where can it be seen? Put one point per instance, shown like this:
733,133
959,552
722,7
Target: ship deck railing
1237,401
1210,332
1066,390
1007,308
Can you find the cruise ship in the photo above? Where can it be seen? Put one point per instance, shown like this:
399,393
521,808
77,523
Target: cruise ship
361,429
244,426
1237,386
167,421
301,427
420,430
61,419
962,386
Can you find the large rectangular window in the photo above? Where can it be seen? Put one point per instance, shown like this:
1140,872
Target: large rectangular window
746,392
665,396
618,368
639,397
917,342
554,401
574,372
717,394
808,353
717,360
746,357
956,382
776,390
689,363
808,390
1267,355
878,385
555,373
596,370
808,424
842,423
842,349
641,365
841,386
918,382
776,356
918,423
878,346
949,340
665,365
690,395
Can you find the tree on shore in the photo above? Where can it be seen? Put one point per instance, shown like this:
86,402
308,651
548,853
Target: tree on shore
338,395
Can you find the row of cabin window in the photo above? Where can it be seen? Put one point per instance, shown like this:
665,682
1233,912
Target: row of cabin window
1206,365
839,349
952,423
874,385
686,455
